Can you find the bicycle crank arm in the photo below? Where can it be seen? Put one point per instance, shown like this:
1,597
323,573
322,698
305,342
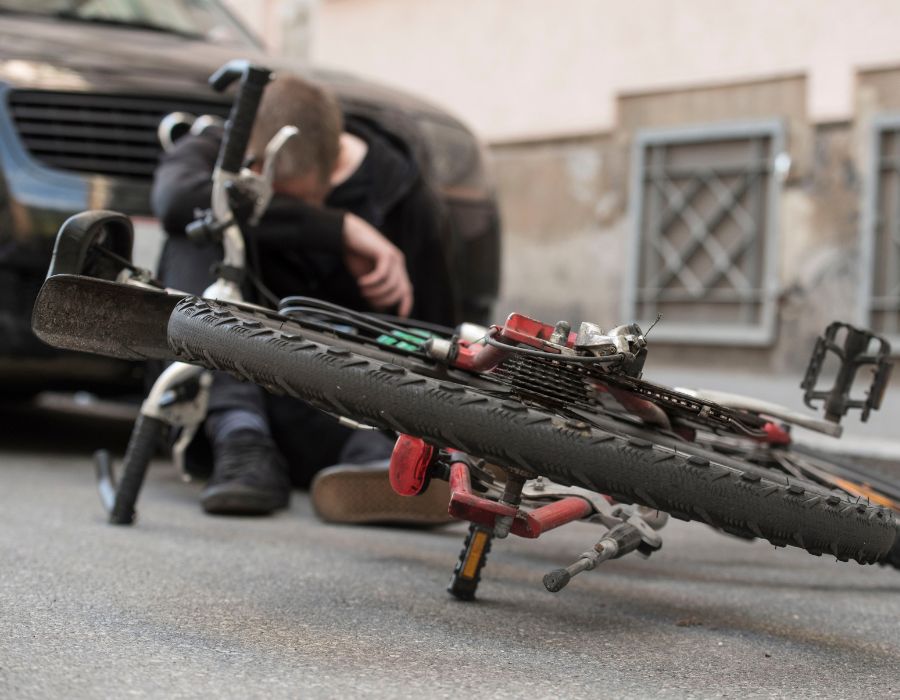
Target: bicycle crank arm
503,518
73,312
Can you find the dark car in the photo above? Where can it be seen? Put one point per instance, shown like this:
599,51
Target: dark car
83,88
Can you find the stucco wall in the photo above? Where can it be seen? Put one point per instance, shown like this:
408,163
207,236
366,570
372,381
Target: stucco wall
567,231
529,68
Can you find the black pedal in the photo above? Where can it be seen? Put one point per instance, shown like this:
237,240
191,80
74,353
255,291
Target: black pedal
854,351
472,558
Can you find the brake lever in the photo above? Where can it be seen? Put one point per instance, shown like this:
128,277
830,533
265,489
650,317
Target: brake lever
264,181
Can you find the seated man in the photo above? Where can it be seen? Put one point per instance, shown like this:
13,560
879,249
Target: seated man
318,238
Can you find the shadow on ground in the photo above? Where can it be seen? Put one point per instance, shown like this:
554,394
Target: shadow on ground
65,423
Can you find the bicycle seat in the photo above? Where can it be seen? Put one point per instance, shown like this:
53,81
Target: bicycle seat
94,244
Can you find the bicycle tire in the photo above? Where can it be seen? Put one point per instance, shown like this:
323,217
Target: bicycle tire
862,478
734,496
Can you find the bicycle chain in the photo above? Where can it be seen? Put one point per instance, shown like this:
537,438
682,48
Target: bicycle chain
557,385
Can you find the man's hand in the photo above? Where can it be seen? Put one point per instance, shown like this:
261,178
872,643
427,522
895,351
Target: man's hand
378,266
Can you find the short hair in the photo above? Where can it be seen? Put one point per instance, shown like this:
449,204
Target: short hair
291,101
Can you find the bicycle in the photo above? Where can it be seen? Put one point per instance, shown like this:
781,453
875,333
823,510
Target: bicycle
563,414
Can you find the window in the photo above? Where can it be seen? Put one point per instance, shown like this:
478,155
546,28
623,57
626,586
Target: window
703,208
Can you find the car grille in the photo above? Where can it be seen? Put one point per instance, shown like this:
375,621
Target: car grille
111,135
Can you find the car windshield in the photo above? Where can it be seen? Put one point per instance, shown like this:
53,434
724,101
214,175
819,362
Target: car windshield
201,19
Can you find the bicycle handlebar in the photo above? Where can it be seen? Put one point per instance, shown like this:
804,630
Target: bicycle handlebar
243,111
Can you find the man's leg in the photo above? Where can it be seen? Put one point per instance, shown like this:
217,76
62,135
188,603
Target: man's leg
357,489
249,474
309,439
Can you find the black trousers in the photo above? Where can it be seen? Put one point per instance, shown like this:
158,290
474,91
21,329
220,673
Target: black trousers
309,439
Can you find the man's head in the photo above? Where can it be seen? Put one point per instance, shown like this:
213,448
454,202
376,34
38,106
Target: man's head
307,160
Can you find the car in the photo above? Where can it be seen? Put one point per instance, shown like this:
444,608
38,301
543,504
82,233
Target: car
84,85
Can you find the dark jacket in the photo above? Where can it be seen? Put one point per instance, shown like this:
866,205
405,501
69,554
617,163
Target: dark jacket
296,248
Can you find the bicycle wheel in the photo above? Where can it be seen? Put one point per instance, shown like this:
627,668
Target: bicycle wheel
646,467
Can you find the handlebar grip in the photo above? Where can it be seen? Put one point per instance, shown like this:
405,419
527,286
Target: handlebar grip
243,111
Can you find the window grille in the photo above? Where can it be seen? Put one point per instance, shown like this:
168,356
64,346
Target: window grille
703,205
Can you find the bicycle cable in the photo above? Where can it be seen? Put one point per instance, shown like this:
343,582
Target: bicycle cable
290,303
356,323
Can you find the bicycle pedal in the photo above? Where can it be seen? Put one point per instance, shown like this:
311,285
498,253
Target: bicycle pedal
854,353
472,558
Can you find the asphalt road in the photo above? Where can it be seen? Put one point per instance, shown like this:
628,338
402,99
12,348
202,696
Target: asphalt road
187,605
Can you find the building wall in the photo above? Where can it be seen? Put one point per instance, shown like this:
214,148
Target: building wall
567,228
565,206
519,69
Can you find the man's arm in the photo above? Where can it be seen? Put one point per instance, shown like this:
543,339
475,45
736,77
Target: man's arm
378,266
183,184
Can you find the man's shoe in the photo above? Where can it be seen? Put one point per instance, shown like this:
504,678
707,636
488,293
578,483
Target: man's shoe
361,494
249,477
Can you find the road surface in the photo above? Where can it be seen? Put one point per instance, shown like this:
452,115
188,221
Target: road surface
187,605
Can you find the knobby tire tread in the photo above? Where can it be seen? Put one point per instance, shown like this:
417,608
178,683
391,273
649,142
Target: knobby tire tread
737,497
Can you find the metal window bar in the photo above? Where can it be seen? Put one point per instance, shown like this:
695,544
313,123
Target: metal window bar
704,212
879,260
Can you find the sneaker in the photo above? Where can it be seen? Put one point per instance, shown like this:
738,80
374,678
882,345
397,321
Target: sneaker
249,477
361,494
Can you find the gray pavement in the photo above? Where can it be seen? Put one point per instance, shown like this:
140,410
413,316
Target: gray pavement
186,605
